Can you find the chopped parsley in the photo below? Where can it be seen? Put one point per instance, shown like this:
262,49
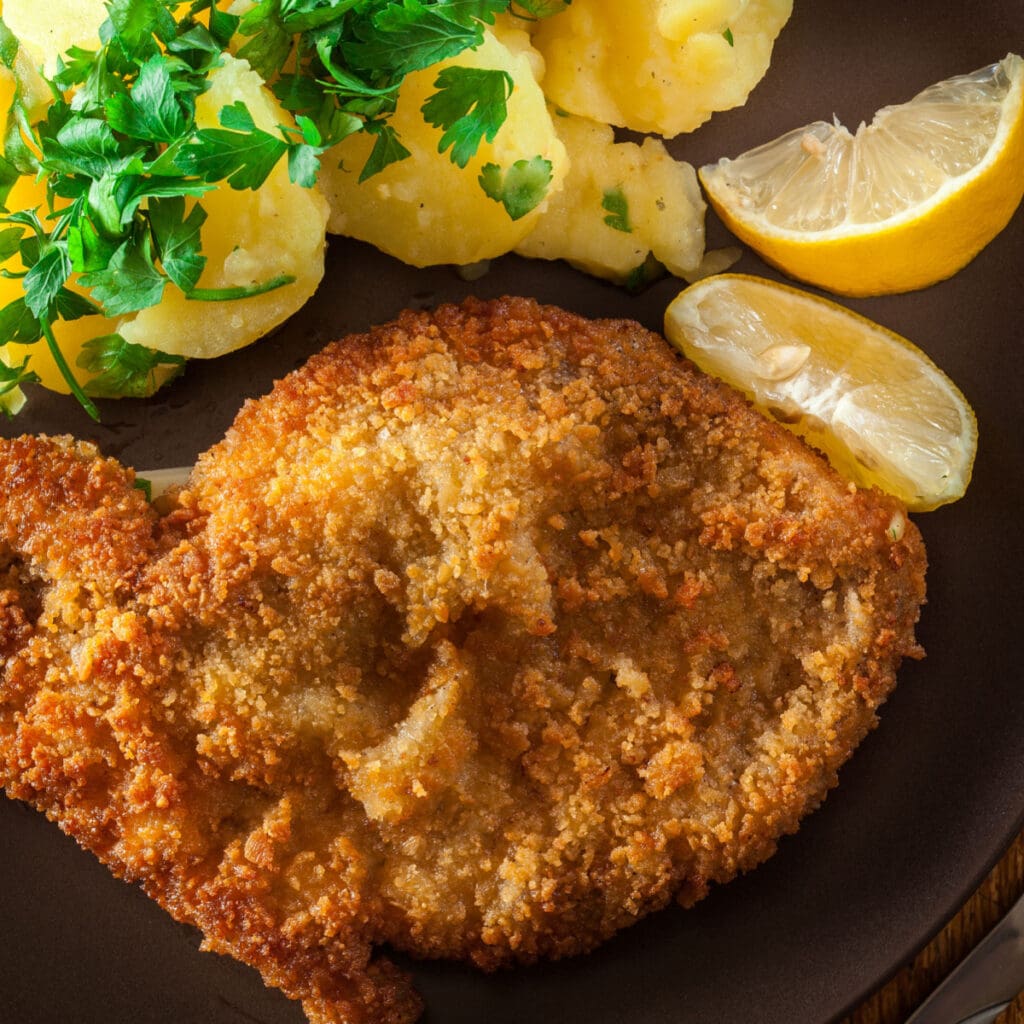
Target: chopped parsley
144,485
616,208
644,274
520,188
126,166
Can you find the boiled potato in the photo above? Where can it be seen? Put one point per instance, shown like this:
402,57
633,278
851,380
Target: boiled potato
620,202
46,30
248,238
425,209
662,66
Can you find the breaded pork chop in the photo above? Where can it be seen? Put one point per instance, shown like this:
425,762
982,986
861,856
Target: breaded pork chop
483,635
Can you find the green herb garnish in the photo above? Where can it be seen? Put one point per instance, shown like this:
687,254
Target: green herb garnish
126,166
536,9
520,188
351,56
617,210
125,369
12,398
470,105
645,274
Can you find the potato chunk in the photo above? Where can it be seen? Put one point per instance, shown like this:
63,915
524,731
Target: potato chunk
426,210
620,202
46,30
663,66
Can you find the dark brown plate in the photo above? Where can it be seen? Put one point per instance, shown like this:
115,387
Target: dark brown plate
922,811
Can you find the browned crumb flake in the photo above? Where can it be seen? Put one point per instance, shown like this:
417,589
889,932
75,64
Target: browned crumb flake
483,634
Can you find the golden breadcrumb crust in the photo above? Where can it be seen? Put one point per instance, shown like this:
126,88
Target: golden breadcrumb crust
484,634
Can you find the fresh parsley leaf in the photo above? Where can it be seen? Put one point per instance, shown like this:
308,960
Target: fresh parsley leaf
18,324
304,165
9,177
151,111
386,149
222,28
406,36
10,242
470,105
60,220
74,66
46,278
335,125
91,72
29,251
72,306
303,15
12,398
541,8
466,12
617,207
727,34
84,146
105,207
124,369
134,189
271,43
144,485
178,239
297,92
87,249
130,281
237,118
645,274
308,129
357,95
521,188
17,153
30,219
239,153
134,23
200,39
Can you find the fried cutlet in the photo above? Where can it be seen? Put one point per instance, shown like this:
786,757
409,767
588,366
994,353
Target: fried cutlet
482,635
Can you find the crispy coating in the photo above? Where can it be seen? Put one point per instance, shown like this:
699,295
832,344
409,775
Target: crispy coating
483,635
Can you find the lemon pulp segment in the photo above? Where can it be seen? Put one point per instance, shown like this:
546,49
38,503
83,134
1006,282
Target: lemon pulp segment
902,203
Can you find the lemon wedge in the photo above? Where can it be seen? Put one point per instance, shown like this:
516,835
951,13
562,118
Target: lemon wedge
875,404
906,201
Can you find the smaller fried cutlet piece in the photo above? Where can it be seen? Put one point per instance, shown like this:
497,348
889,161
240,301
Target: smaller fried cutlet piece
484,634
